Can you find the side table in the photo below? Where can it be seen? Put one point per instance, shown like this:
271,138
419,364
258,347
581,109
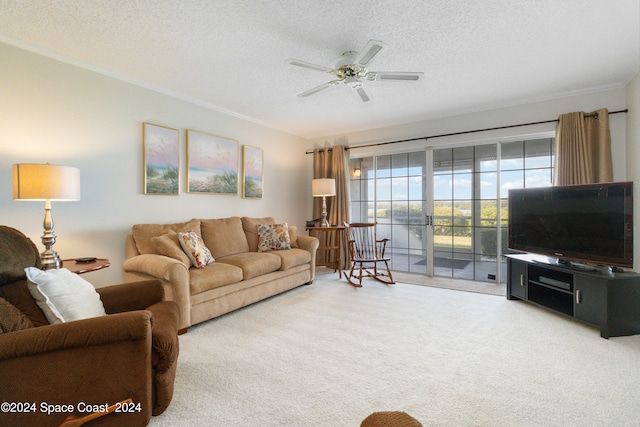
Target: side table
85,267
338,231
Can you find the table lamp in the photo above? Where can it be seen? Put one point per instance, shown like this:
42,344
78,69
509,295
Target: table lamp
323,187
46,182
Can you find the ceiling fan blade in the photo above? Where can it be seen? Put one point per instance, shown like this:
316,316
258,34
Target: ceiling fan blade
397,76
319,88
363,94
369,52
309,65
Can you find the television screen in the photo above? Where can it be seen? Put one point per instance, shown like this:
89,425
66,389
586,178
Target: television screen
586,223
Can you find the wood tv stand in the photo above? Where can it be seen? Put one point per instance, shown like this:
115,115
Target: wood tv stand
609,301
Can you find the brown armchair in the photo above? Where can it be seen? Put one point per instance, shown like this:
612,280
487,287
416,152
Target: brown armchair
82,369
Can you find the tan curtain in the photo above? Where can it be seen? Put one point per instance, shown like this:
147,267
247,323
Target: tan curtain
583,148
333,163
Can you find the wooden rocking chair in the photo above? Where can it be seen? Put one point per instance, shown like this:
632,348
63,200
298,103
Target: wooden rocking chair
366,251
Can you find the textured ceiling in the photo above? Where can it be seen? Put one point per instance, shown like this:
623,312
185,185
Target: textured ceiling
230,54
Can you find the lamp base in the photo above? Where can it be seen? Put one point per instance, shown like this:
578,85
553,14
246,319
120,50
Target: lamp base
49,257
324,222
50,260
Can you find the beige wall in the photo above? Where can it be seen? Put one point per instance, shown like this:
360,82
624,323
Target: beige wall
59,113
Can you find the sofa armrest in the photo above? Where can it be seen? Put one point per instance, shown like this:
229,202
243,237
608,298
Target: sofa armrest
95,361
174,275
131,296
310,244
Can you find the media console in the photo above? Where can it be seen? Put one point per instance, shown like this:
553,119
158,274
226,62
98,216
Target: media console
607,300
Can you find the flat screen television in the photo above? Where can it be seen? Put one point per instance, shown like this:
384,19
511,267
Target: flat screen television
590,224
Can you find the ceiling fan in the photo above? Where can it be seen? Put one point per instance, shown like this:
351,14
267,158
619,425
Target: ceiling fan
352,69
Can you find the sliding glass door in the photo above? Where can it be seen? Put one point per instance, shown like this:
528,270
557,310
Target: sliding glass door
445,211
391,190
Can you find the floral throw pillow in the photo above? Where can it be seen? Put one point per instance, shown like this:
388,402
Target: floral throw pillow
195,249
273,237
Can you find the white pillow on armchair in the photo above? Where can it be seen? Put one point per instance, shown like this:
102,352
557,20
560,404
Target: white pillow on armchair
62,295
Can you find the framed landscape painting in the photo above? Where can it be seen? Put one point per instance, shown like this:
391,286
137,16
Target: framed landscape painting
252,173
212,164
161,146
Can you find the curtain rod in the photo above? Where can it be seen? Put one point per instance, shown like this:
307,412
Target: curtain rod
594,115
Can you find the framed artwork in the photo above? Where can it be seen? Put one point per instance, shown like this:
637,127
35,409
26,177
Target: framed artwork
161,146
212,164
252,172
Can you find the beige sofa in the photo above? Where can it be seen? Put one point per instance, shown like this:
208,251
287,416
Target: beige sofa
239,276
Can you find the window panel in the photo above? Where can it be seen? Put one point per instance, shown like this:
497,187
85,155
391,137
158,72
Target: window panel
443,187
443,238
356,194
417,186
538,154
443,161
485,157
512,156
417,212
417,238
400,212
509,180
488,185
537,178
463,160
417,163
443,213
383,189
383,166
462,186
400,188
399,165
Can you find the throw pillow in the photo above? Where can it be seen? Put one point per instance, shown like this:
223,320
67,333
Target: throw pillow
62,295
195,249
169,245
273,237
12,319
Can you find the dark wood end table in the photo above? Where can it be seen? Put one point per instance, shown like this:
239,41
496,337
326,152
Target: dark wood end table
337,263
85,267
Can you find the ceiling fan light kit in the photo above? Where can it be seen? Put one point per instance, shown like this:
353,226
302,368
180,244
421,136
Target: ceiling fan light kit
352,68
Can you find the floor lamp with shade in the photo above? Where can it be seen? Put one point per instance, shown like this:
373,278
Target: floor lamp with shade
33,181
323,187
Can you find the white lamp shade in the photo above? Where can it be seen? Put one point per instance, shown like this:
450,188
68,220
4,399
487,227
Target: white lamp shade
32,181
323,187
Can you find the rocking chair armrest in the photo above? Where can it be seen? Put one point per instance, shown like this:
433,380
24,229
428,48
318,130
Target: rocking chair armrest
382,246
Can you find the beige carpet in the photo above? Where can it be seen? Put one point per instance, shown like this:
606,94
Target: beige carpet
330,354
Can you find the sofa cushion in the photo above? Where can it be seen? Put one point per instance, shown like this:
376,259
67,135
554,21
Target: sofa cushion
213,276
63,296
293,236
224,236
12,319
273,237
253,263
195,249
292,258
169,245
143,233
249,225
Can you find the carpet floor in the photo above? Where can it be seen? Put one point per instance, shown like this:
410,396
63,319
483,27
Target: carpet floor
330,354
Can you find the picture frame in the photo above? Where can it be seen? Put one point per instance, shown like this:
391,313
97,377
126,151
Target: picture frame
252,172
161,159
212,164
